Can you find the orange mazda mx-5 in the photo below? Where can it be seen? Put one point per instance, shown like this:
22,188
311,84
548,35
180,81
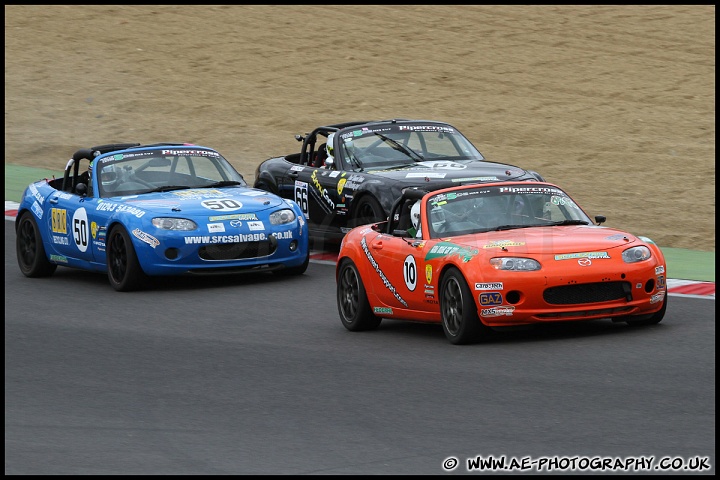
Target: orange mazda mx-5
493,255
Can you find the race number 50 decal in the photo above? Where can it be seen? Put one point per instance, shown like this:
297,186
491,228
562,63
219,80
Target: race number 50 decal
301,197
80,229
410,273
222,205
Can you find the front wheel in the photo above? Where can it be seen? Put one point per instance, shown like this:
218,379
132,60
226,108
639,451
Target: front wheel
123,267
353,305
30,250
368,210
458,311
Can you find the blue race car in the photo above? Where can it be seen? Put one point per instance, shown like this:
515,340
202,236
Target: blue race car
136,211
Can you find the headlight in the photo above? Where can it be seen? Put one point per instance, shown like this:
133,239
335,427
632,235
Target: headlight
282,217
516,264
636,254
167,223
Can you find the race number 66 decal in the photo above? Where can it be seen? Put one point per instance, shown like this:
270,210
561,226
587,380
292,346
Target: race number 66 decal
301,196
410,273
222,205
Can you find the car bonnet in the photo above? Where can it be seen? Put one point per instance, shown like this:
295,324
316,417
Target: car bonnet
443,170
547,240
206,201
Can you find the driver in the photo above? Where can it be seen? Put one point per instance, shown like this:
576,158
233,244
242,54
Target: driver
110,177
415,231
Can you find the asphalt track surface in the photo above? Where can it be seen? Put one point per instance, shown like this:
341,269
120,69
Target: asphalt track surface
256,375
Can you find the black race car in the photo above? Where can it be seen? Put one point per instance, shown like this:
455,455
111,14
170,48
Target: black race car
350,174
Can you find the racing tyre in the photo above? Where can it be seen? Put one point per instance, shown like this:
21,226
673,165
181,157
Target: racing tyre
353,306
30,250
653,320
124,271
368,210
458,311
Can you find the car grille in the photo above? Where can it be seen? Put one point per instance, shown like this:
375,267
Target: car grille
238,251
588,293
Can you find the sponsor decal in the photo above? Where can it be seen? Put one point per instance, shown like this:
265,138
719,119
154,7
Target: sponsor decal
58,258
425,175
340,185
93,229
36,210
490,298
258,225
200,153
239,238
222,205
58,220
444,249
385,310
155,203
233,216
333,174
283,235
119,207
322,191
253,193
58,240
584,262
658,297
410,273
476,179
498,311
35,193
427,128
297,168
146,237
428,273
503,244
198,194
489,286
386,282
235,223
617,236
592,255
216,227
547,190
661,282
660,270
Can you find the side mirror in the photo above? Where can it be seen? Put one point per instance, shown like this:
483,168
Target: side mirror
329,162
600,219
81,189
400,233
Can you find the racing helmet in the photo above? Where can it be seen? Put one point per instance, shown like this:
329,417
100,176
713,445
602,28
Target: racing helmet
109,175
415,215
329,146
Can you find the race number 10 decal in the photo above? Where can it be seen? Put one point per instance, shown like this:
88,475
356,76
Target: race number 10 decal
410,273
80,229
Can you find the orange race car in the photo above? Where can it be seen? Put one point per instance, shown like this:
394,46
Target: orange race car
493,255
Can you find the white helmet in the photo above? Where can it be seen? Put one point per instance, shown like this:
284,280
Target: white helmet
109,175
329,145
415,215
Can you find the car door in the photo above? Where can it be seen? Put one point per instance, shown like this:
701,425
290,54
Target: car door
68,217
400,264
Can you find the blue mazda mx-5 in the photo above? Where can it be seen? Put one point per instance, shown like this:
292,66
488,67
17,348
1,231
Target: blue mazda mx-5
136,211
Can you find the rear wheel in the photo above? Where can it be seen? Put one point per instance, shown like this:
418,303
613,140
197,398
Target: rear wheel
353,306
30,250
368,210
124,271
653,320
458,311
